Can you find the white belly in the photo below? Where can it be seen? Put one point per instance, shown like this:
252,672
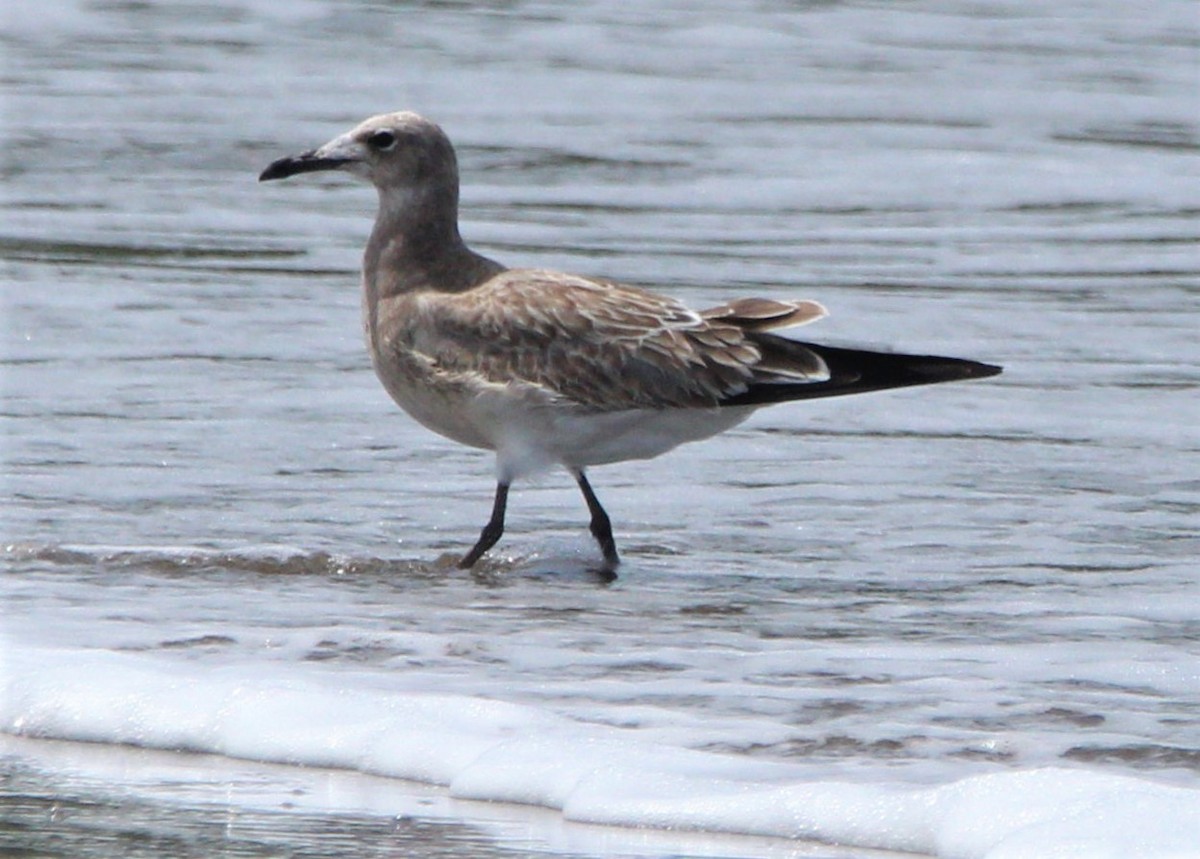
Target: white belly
531,431
595,439
530,440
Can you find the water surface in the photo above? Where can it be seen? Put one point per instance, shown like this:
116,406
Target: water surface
203,479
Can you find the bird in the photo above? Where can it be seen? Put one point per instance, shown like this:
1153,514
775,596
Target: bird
550,369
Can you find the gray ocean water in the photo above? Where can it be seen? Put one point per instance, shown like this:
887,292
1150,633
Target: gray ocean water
198,459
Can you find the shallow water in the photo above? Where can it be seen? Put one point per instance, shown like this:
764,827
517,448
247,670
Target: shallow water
204,481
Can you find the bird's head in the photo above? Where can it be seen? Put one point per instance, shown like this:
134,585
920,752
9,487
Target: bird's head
401,151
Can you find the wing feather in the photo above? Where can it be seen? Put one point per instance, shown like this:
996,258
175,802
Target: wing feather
599,344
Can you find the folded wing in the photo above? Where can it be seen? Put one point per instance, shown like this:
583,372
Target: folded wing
608,347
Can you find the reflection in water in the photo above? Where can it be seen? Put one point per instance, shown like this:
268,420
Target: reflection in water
47,817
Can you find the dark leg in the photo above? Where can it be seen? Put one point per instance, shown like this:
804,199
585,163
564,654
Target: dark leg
491,531
601,527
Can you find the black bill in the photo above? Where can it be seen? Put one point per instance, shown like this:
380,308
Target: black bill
307,162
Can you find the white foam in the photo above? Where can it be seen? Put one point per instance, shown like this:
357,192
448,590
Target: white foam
492,750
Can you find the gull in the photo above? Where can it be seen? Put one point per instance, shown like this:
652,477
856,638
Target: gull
549,369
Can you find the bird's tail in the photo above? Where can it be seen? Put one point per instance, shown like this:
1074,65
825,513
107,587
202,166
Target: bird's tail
850,371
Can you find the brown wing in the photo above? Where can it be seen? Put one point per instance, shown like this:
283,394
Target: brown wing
604,345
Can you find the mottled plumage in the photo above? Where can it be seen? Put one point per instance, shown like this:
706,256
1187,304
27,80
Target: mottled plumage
591,343
547,368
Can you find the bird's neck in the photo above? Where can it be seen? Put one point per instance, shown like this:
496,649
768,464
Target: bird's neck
415,245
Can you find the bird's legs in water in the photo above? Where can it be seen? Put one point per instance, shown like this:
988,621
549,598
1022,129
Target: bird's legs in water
600,526
491,531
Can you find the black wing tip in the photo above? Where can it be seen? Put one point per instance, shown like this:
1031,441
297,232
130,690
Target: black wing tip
859,371
955,369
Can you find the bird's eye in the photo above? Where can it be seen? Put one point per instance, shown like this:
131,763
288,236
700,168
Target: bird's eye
381,141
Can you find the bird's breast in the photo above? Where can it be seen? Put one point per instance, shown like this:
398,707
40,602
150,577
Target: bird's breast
437,400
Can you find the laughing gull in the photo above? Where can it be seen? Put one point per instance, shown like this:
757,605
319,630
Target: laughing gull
551,369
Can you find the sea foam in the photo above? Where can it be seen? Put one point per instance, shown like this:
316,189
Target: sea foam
493,750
